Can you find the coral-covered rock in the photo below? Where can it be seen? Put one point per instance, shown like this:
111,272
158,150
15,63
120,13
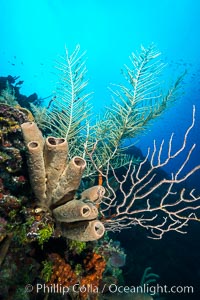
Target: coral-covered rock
94,266
62,272
13,172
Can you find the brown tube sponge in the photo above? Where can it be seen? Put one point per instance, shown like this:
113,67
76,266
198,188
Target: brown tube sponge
70,179
94,211
94,193
84,231
74,211
55,157
37,170
31,133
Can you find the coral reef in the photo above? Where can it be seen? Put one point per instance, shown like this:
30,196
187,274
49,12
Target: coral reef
76,246
94,266
59,189
90,274
11,142
26,218
14,187
18,267
112,251
10,93
62,272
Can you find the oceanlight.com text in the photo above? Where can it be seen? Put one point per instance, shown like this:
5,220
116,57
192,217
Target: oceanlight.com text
151,289
112,289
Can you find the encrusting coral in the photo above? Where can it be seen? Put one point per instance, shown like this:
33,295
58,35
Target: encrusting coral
12,178
55,182
62,272
94,266
90,275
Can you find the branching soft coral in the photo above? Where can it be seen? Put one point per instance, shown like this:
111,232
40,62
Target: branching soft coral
136,102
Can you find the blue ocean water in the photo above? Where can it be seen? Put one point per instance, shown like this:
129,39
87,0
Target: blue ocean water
35,33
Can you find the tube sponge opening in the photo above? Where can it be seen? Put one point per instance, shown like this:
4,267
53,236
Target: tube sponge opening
83,231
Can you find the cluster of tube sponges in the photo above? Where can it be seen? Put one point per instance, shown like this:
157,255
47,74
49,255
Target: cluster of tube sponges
55,180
